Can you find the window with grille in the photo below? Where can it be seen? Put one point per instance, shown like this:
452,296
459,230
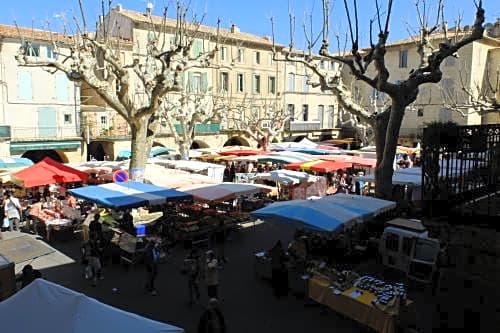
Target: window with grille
256,84
240,81
392,242
291,82
224,81
403,58
272,85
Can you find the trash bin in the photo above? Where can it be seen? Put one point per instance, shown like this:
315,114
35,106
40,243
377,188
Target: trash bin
7,278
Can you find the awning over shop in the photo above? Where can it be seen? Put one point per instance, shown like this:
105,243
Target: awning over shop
129,194
25,146
47,172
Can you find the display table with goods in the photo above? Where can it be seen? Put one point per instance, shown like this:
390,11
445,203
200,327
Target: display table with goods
368,300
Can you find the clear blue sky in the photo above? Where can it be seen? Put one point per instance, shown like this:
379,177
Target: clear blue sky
251,16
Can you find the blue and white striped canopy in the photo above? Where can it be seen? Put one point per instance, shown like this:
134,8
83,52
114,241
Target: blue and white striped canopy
129,194
14,162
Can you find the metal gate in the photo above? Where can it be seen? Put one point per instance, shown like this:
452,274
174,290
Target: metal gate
460,166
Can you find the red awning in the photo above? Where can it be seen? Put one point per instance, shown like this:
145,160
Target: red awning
243,152
48,171
329,166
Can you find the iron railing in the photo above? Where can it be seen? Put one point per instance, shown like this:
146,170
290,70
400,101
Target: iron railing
32,133
460,165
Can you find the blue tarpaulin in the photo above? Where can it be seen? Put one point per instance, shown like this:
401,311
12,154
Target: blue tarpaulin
312,214
129,194
329,213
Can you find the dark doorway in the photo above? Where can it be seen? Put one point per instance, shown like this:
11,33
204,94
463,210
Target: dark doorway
95,150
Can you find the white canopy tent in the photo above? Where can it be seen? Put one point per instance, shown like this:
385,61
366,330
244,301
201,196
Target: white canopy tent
46,307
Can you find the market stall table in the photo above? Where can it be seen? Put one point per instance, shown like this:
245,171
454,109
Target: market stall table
355,305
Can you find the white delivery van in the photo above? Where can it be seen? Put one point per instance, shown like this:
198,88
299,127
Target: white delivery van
405,246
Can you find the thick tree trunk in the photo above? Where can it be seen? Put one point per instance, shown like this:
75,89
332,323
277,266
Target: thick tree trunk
141,143
184,148
386,136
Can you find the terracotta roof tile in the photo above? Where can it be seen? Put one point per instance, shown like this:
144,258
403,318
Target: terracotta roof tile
224,33
33,34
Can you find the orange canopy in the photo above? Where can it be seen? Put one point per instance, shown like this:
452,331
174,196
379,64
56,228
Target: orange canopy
329,166
47,172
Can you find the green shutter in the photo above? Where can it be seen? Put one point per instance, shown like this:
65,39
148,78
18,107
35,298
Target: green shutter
204,82
189,87
197,48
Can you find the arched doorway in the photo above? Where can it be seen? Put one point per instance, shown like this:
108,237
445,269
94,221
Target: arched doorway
236,141
38,155
197,144
157,144
96,150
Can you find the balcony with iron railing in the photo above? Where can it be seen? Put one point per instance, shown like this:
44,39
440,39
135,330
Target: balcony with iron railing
303,126
95,131
25,133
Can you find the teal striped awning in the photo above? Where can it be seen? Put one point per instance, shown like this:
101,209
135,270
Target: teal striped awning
25,146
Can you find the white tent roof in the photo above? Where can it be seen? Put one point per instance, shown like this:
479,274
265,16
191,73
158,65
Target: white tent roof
46,307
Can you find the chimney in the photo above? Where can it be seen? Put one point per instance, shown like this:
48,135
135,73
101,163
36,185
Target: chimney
149,8
234,28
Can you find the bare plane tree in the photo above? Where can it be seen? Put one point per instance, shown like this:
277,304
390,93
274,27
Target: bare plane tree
482,98
262,124
94,58
386,124
188,110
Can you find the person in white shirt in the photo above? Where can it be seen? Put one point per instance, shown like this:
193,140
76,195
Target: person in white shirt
12,209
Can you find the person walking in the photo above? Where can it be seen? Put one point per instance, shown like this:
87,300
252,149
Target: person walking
94,260
211,274
95,228
212,319
192,270
151,257
12,209
220,240
279,272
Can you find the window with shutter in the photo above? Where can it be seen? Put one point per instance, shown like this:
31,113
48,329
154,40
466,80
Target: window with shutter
25,89
62,88
204,82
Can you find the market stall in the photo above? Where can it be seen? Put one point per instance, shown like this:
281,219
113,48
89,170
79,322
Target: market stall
367,300
121,196
47,172
129,194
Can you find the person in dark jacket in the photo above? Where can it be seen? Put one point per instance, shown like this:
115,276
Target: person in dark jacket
212,320
95,228
29,275
151,257
192,270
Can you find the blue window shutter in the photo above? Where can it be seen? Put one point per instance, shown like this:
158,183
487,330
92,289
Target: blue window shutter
25,88
62,88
